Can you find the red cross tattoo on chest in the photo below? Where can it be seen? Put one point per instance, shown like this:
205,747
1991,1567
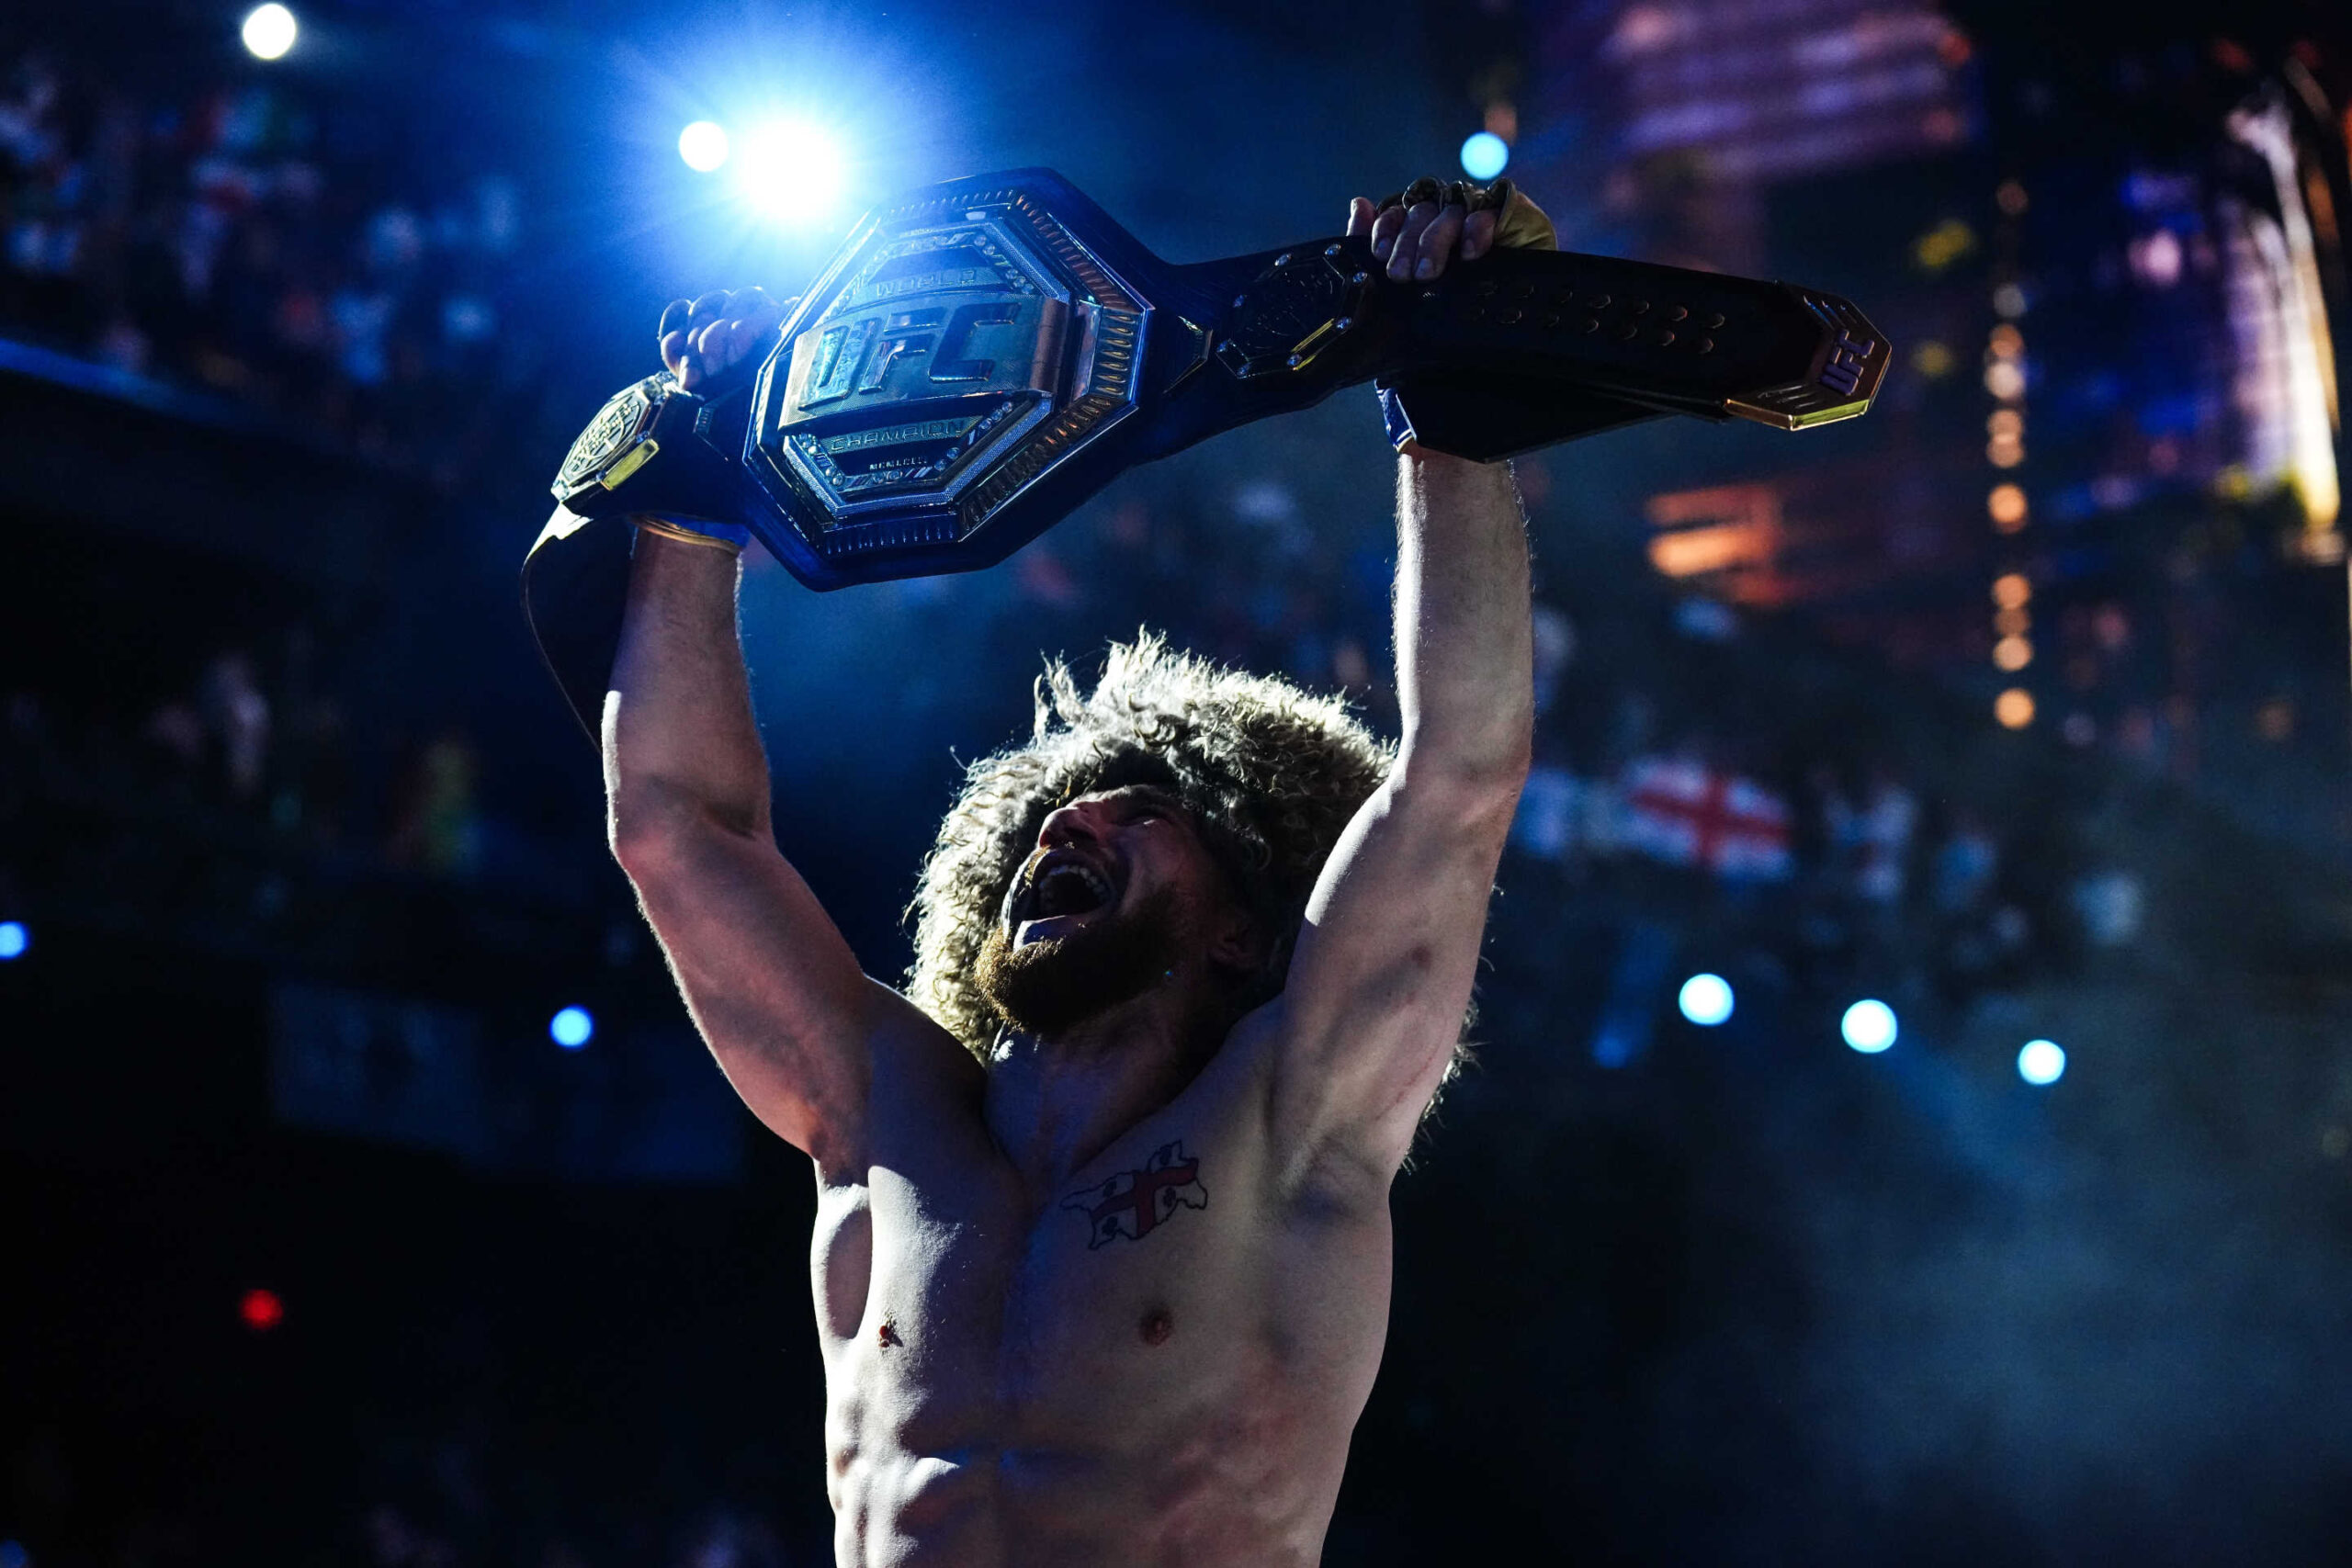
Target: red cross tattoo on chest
1135,1202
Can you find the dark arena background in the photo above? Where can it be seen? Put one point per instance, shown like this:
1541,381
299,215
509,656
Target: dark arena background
1913,1122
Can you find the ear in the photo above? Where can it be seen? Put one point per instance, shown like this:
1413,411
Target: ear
1235,942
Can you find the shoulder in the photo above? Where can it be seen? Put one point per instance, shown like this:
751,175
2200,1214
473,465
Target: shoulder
925,1091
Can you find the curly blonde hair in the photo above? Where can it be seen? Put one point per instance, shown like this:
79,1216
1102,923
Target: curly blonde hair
1270,774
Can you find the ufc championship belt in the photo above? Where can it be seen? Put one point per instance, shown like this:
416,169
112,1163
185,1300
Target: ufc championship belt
982,355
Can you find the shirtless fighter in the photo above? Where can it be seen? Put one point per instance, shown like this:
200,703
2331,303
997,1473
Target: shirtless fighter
1102,1251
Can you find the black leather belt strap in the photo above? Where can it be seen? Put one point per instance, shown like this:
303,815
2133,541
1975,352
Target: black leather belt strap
575,583
1556,336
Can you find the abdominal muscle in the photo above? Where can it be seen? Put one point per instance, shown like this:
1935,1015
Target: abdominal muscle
1240,1488
1127,1430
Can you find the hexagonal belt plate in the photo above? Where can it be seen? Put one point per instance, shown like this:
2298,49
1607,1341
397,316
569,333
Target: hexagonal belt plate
961,345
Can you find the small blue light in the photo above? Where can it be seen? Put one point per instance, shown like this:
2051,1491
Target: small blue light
1868,1026
268,31
571,1028
14,940
13,1555
1484,155
2041,1062
1705,999
703,146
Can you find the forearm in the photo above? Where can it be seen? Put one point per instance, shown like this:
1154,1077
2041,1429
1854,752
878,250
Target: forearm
1465,648
681,747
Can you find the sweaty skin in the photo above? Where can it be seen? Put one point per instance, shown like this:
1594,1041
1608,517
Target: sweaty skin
1117,1297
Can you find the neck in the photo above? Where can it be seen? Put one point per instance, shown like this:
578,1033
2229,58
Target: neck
1054,1104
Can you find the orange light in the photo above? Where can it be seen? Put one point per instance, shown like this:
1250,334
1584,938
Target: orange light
2011,591
2012,623
2005,454
2006,507
2012,654
2004,424
1688,552
2013,709
2006,341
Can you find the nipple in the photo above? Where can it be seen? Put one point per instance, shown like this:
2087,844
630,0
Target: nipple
888,1335
1157,1325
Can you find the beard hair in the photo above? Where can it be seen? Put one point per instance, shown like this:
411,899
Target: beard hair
1048,988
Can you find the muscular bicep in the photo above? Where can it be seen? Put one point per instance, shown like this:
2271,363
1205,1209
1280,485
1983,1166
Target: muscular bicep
1385,964
777,993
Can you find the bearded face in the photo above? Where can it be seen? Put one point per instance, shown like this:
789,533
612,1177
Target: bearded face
1121,896
1052,982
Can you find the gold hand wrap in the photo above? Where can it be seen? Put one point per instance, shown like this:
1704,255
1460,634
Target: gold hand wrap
685,535
1519,222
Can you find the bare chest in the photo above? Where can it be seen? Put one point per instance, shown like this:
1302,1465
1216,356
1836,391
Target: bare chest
996,1317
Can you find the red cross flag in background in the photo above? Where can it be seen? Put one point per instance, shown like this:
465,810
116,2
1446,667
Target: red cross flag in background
1684,813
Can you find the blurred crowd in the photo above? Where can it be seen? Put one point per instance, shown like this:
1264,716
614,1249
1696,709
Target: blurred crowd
252,758
226,237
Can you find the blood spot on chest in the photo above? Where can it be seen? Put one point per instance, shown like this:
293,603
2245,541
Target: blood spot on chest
888,1335
1156,1326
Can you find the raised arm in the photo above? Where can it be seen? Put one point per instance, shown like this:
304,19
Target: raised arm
1384,968
774,988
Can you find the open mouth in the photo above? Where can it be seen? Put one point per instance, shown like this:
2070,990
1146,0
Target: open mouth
1062,886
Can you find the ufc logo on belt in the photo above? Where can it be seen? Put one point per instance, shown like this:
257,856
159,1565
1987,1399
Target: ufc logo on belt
859,357
1848,355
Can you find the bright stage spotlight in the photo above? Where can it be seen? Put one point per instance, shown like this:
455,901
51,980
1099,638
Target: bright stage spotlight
571,1028
703,146
1705,999
14,940
2041,1062
1868,1026
268,31
1484,155
791,171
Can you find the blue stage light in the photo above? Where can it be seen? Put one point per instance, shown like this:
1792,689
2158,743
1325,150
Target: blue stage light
791,171
1484,155
2041,1062
703,146
1868,1026
1705,999
571,1028
14,940
268,31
